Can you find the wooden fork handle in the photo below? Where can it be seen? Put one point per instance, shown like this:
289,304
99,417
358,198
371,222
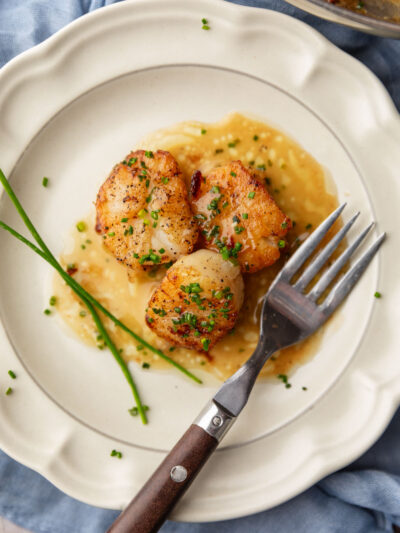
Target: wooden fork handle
150,508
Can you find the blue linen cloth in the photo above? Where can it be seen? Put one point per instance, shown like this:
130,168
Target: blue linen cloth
362,498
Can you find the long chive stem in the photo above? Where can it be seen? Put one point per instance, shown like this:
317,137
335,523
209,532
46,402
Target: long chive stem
82,293
95,317
124,367
75,285
52,260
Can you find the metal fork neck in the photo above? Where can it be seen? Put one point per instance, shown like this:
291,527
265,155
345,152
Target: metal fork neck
234,393
215,420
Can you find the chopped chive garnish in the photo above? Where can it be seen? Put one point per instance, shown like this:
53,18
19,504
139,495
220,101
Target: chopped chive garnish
245,216
45,181
205,343
132,161
251,194
81,226
378,294
47,312
161,250
12,374
309,226
284,379
149,154
203,132
219,150
114,453
233,174
82,313
255,138
134,410
225,204
205,27
267,181
160,312
304,388
53,300
145,365
165,180
192,288
281,243
124,219
111,234
204,21
216,189
239,230
284,225
9,391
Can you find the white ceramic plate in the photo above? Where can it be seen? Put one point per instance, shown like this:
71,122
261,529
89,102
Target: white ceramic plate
73,106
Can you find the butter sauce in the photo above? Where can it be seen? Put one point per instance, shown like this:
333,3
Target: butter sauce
298,184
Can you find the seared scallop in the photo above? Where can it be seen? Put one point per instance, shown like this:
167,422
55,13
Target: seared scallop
197,302
143,211
238,217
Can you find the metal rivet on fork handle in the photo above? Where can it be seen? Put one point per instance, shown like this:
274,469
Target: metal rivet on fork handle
217,421
178,473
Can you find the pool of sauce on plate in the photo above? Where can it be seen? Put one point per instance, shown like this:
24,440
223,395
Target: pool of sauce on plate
298,184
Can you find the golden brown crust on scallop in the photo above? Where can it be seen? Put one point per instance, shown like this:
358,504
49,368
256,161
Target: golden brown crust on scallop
197,302
143,211
238,217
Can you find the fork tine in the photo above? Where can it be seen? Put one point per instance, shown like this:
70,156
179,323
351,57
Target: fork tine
345,285
331,273
307,248
323,256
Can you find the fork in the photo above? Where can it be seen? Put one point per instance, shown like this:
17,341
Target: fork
289,314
